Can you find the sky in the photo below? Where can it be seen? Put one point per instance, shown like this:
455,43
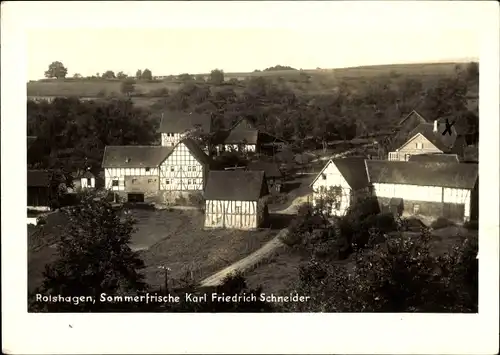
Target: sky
173,38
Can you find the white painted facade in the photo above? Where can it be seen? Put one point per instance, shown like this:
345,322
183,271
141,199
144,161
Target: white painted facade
426,194
181,171
240,147
114,178
328,178
231,214
86,183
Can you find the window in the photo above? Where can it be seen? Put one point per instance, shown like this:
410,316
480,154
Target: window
114,183
134,181
323,176
193,168
189,181
172,168
416,209
237,209
147,169
167,182
89,182
337,203
150,181
172,144
419,145
189,168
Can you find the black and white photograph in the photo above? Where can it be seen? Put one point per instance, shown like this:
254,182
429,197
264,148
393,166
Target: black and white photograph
271,159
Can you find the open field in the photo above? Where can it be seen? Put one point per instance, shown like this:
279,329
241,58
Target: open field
92,88
174,238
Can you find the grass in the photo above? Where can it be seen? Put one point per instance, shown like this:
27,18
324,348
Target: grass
172,238
184,246
91,88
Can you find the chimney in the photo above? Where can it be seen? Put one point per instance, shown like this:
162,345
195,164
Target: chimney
435,126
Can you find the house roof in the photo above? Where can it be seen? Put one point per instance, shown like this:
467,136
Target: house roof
234,185
353,170
179,122
413,113
241,136
134,156
453,175
271,169
38,178
442,142
438,158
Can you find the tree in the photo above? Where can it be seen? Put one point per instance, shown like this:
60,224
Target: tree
56,70
77,76
472,71
93,257
121,75
138,74
217,76
402,274
109,74
127,87
147,75
185,77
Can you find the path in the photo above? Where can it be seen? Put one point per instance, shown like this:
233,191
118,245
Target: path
340,155
247,262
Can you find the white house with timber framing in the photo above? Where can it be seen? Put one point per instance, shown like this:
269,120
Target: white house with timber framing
147,169
428,189
175,126
343,181
235,199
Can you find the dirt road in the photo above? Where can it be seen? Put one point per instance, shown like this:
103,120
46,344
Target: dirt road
247,262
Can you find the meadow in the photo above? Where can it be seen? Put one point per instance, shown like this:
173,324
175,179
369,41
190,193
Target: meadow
320,79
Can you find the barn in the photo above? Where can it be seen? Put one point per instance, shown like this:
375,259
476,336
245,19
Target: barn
235,199
344,181
174,126
427,189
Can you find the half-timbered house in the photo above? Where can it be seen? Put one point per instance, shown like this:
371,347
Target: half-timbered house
175,126
83,180
147,170
426,189
235,199
428,138
272,172
407,124
342,182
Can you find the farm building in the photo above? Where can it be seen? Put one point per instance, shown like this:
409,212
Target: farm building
428,189
274,177
40,191
244,137
427,138
142,171
342,180
437,158
235,199
175,126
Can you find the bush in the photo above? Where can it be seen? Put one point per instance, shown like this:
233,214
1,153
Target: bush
442,222
196,200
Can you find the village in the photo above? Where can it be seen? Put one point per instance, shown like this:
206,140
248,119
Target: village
424,178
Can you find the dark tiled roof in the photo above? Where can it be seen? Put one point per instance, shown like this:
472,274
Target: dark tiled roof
179,122
454,175
38,178
134,156
438,158
442,142
354,171
236,185
269,168
241,136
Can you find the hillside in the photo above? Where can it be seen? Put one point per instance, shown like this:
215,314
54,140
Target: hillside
318,80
